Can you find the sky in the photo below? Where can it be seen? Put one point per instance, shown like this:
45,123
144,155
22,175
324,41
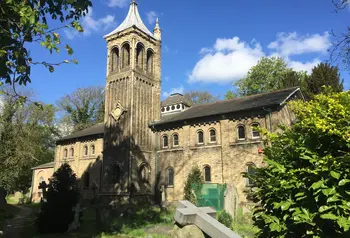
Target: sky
206,45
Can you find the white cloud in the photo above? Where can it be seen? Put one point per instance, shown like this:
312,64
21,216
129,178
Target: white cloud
288,44
300,66
230,59
151,17
179,89
226,61
90,24
118,3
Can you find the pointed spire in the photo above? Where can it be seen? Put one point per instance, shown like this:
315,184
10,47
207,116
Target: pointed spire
157,31
132,19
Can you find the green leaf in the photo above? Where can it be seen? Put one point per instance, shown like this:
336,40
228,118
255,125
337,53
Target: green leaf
328,191
333,199
317,185
286,205
329,216
324,208
335,175
69,50
51,69
343,182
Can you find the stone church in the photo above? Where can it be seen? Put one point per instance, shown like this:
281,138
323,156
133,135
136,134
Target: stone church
145,144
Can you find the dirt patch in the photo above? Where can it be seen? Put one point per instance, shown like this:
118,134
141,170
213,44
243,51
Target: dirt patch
14,226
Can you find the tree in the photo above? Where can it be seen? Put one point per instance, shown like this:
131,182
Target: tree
230,95
26,22
266,76
340,50
193,185
84,107
323,75
62,195
200,97
27,135
304,189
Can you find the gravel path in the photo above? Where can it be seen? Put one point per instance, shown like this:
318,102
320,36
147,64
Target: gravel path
13,227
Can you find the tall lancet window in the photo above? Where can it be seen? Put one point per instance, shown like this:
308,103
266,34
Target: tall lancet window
149,63
126,55
115,60
140,52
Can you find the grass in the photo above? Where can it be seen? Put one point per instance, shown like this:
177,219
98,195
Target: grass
243,224
143,222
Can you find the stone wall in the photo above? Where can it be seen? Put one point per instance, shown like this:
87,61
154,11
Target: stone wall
38,174
228,157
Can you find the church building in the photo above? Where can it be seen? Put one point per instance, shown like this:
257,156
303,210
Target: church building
145,143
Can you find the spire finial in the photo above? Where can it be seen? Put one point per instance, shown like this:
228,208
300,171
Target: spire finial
133,2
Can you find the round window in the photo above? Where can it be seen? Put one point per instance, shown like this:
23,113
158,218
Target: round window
178,106
173,107
167,108
163,109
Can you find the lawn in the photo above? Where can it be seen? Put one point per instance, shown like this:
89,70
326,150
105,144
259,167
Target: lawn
145,222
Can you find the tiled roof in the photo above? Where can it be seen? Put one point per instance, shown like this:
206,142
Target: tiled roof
132,19
175,99
93,130
228,106
44,166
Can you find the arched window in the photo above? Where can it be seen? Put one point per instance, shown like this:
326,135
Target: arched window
71,152
115,60
207,174
86,180
241,132
126,55
144,173
65,153
165,141
212,133
200,137
175,140
250,170
255,130
149,63
41,179
170,176
116,174
86,150
140,51
92,149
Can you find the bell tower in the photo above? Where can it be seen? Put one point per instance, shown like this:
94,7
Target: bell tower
132,102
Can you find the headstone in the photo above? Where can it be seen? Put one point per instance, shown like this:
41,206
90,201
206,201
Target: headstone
204,218
43,186
231,200
75,224
2,197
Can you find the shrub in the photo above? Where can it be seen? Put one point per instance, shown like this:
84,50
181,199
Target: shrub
56,213
304,189
225,218
193,185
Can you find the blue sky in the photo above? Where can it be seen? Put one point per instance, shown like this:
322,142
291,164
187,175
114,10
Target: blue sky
207,45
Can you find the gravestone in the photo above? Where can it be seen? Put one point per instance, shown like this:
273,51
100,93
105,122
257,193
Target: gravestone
204,218
43,186
76,223
2,197
231,200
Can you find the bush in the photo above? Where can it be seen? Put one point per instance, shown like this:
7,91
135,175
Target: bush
193,185
56,213
304,189
225,218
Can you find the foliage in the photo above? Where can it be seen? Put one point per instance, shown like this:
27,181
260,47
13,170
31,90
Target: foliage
230,95
243,224
266,76
57,212
139,218
24,23
201,97
84,107
26,140
193,185
304,189
225,218
323,75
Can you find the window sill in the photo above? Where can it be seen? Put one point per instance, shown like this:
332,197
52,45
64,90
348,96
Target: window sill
170,186
204,146
246,142
171,149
